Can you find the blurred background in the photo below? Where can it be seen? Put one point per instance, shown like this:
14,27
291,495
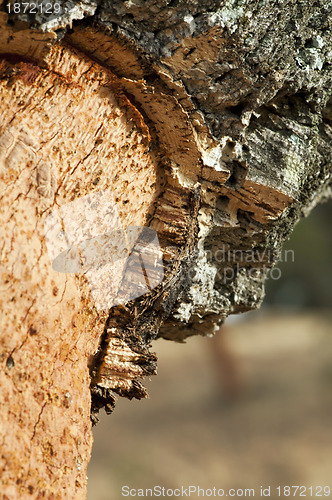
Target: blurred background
250,407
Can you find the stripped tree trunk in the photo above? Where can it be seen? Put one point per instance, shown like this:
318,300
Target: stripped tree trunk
208,122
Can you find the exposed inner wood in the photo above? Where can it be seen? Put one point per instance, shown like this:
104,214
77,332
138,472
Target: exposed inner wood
65,132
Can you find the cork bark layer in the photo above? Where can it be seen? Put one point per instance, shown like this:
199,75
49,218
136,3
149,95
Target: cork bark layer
207,122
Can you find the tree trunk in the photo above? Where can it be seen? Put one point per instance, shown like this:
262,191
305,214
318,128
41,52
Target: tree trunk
208,123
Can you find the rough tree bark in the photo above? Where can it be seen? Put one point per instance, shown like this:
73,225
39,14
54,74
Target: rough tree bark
211,123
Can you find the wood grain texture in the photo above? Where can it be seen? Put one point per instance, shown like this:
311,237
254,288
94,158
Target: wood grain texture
66,130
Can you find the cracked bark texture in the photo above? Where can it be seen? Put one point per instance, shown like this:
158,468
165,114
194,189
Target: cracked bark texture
211,122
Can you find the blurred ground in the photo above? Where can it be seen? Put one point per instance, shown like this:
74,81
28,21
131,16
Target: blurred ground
277,432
